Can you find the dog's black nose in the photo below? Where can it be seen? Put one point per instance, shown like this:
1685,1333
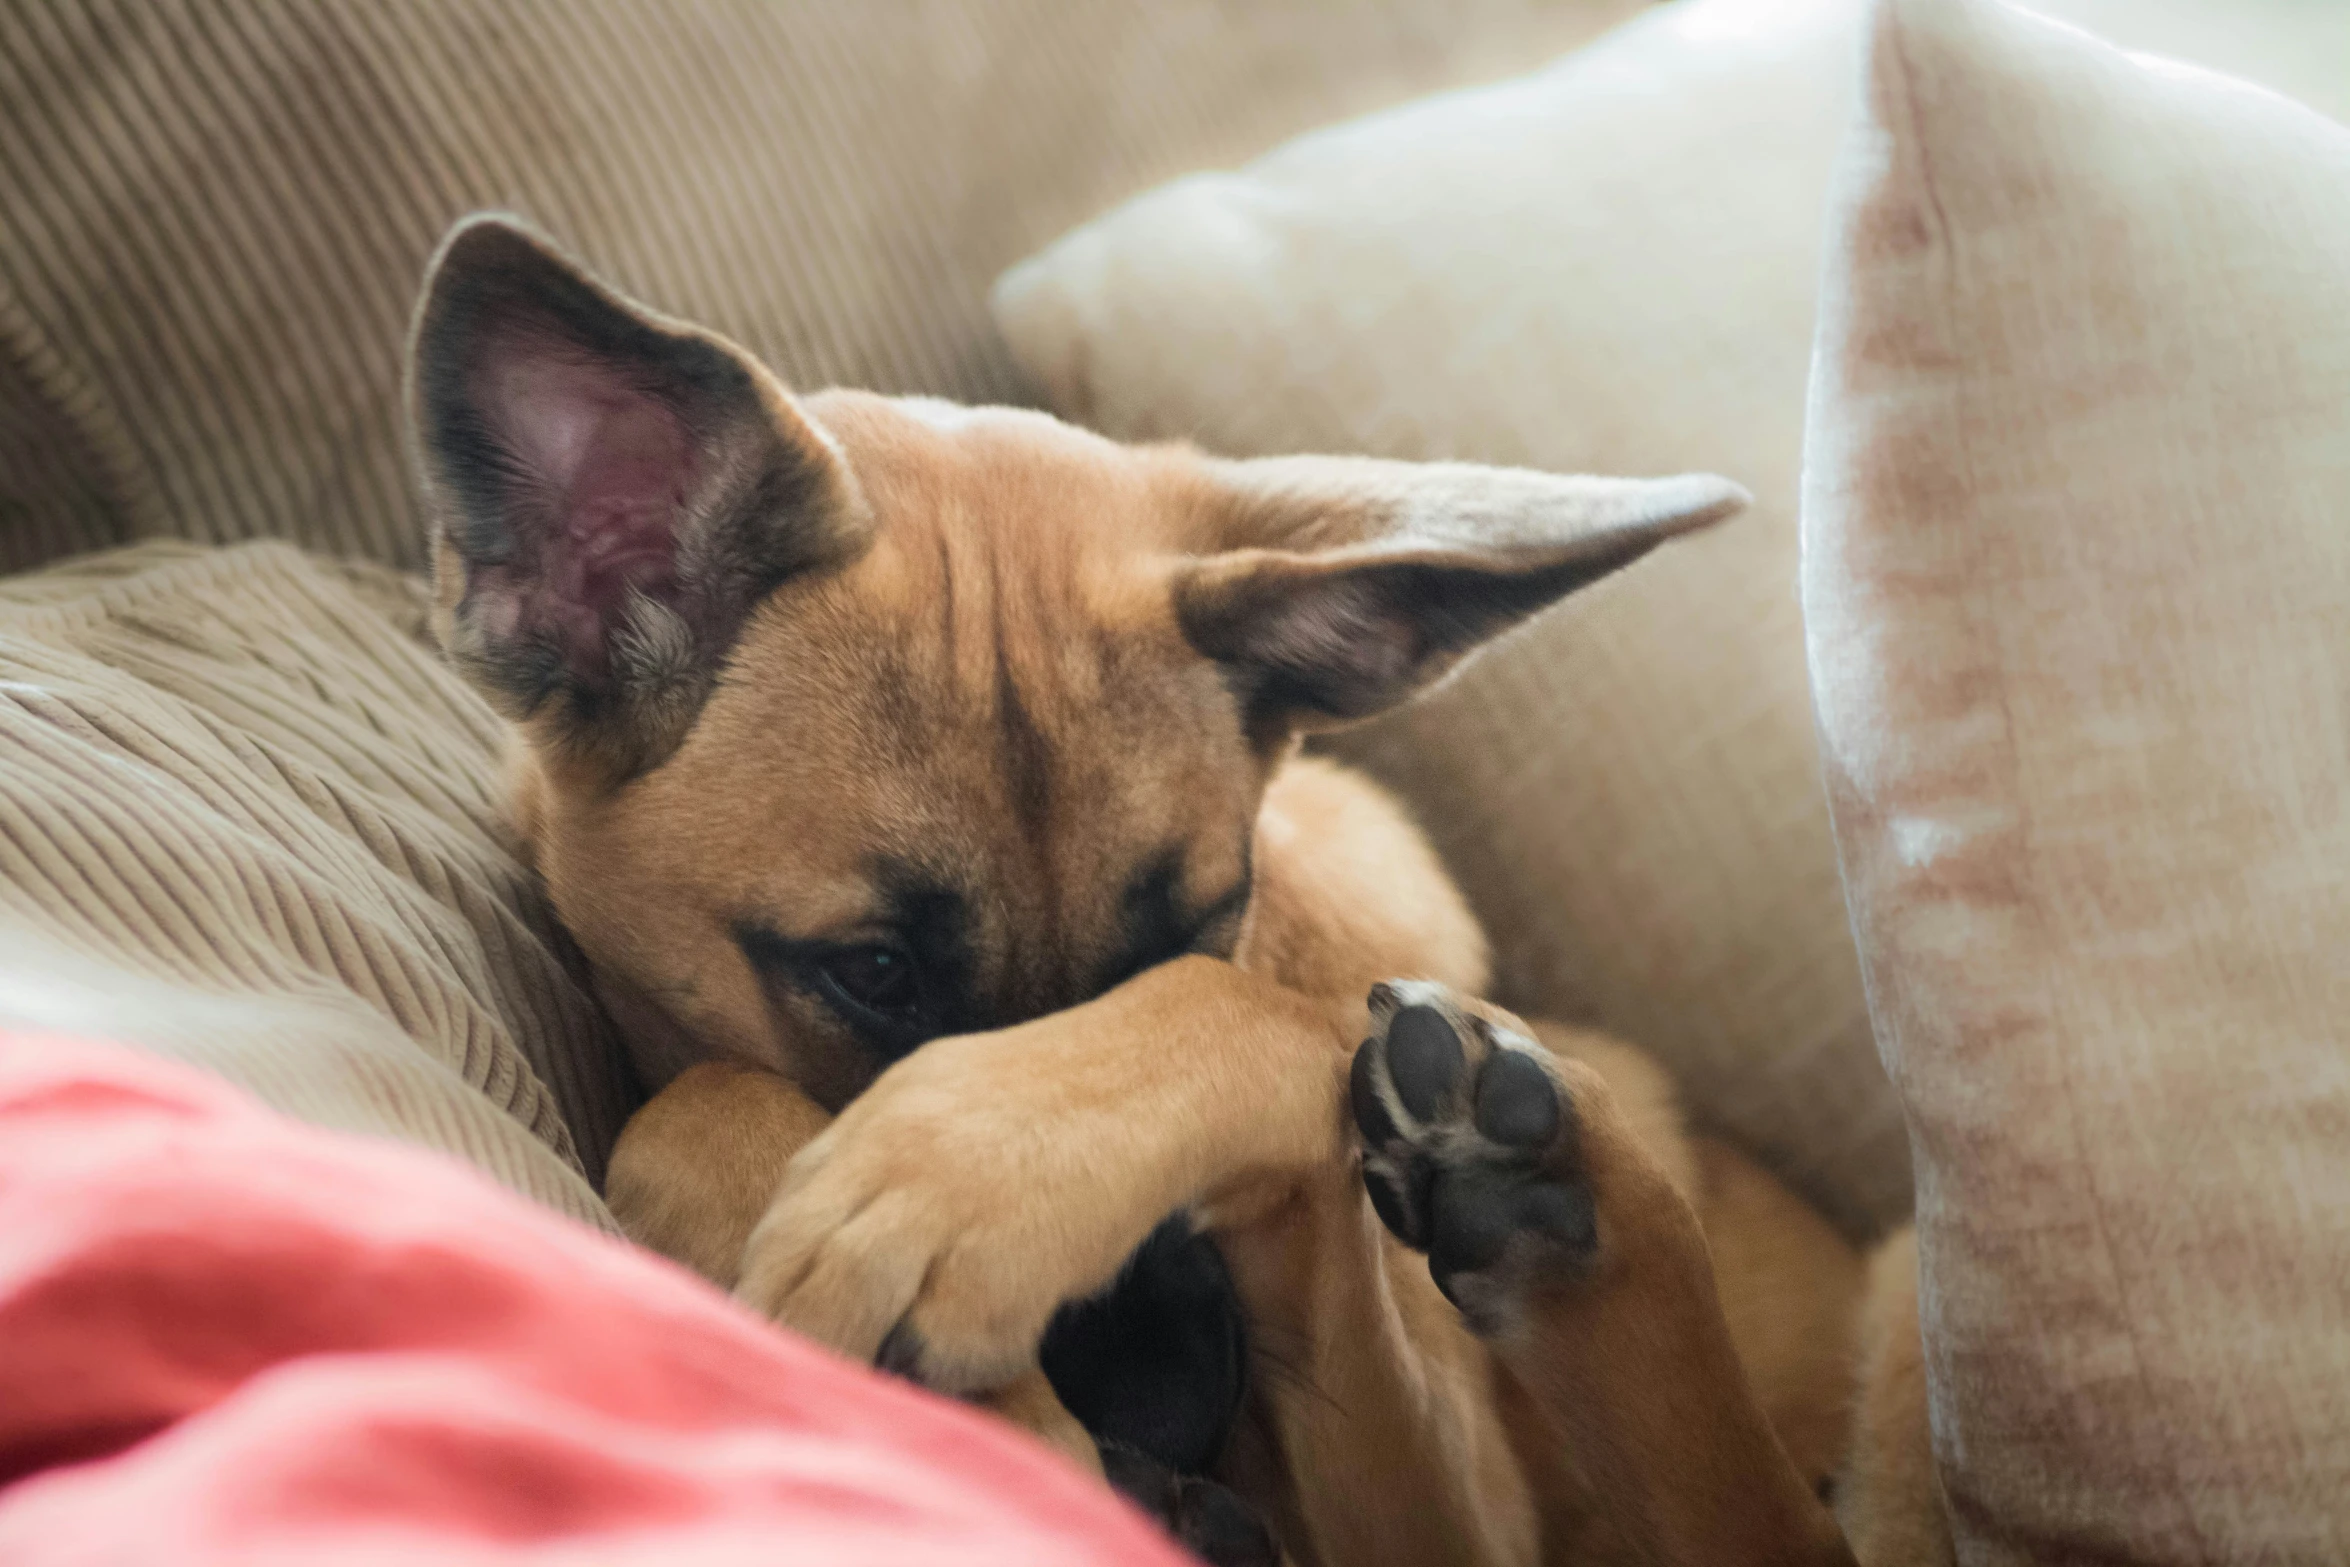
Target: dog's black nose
1158,1361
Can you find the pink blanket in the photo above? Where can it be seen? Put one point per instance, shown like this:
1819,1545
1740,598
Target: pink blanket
225,1336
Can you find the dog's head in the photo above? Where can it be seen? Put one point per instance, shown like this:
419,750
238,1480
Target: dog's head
847,722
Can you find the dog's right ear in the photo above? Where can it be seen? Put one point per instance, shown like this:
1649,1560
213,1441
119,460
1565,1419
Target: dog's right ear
612,493
1332,588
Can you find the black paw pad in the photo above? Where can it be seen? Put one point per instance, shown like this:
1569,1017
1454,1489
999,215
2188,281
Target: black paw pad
1400,1190
1371,1117
1472,1215
1516,1104
1476,1213
1424,1059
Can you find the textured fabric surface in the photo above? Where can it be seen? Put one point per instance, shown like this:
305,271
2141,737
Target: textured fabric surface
231,1339
247,821
1608,266
218,213
2077,579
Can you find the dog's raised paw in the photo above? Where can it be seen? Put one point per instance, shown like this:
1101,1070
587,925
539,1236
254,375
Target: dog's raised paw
1471,1151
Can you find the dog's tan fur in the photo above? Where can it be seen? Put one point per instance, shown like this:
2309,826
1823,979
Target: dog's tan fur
994,660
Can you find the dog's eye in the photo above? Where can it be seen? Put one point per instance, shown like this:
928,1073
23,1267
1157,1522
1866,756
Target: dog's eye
879,980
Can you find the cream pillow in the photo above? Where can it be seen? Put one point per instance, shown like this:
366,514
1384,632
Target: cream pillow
2077,578
1608,266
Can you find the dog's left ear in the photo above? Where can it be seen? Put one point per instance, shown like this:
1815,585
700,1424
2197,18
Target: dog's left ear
1340,586
613,493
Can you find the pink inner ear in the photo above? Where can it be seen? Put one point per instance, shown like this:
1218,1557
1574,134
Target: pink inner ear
611,466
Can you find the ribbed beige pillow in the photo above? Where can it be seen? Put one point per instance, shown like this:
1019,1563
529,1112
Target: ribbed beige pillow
2077,575
1609,266
248,820
217,211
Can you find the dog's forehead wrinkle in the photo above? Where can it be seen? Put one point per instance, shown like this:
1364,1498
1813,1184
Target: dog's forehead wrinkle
996,693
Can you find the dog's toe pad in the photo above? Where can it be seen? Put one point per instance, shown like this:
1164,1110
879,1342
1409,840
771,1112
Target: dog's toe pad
1370,1111
1424,1059
1472,1214
1516,1104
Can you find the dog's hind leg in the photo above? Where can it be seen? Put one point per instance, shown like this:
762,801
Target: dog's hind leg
1889,1497
1371,1412
1568,1249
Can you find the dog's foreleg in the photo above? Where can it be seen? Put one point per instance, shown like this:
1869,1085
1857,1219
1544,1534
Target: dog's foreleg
986,1179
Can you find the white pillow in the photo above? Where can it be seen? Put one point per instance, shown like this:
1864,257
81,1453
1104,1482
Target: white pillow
2077,580
1607,266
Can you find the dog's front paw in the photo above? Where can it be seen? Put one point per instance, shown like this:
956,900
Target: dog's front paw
1472,1150
933,1229
889,1243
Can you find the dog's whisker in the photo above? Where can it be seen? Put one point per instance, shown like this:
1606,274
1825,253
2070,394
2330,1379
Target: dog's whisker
1282,1368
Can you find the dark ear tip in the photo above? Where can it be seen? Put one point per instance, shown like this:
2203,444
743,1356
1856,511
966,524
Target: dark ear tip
489,243
488,264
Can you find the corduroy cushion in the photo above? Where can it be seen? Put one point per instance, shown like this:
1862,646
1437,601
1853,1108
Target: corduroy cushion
1609,266
217,211
247,820
2077,583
